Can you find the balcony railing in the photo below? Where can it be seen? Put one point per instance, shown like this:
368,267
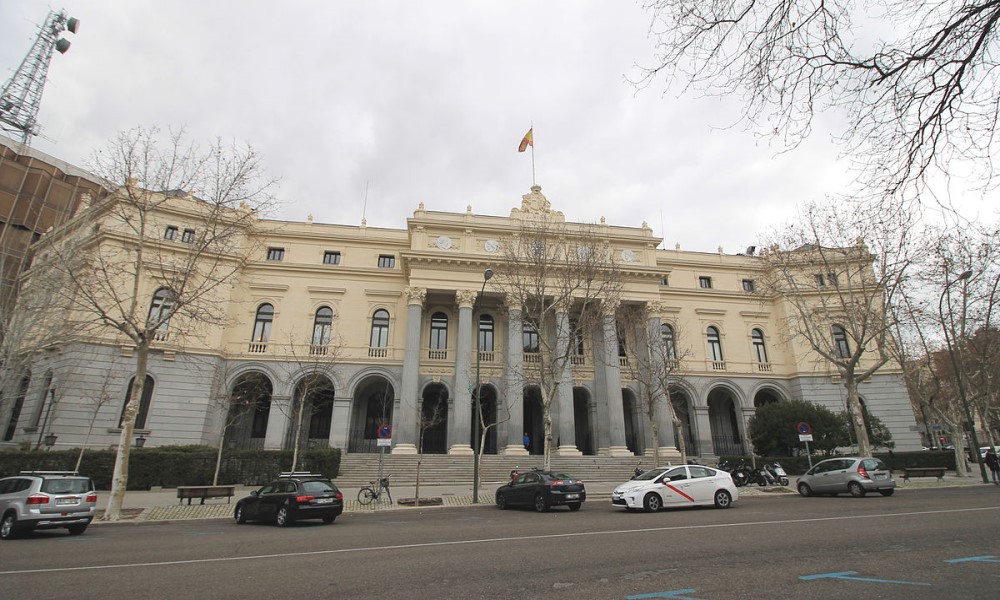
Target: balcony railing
718,365
160,335
623,362
318,350
377,351
487,356
764,367
257,348
437,354
532,358
577,359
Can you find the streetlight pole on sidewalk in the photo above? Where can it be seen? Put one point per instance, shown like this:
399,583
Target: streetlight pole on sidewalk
476,449
948,330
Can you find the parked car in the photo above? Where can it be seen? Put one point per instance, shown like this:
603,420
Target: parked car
290,498
851,475
542,490
46,500
670,487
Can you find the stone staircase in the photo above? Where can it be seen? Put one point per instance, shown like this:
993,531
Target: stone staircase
442,469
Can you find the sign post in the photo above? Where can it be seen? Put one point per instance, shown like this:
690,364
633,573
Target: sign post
805,435
384,441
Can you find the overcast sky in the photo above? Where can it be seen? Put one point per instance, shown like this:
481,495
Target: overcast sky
424,102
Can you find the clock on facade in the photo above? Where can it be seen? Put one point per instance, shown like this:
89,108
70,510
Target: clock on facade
444,242
492,246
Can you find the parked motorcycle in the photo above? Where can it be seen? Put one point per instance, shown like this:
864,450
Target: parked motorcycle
777,473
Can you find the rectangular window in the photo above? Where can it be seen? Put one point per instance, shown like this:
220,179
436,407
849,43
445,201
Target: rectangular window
188,236
665,281
171,233
386,261
831,278
705,282
331,258
820,281
748,285
276,254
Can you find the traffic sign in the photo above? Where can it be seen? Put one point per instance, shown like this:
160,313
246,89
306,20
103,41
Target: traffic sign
805,437
383,443
804,428
384,432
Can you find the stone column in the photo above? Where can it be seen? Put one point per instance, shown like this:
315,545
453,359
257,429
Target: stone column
658,375
565,427
460,422
340,427
703,431
514,382
405,430
613,384
277,422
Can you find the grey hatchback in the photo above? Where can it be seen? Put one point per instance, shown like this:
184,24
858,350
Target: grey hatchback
46,500
851,475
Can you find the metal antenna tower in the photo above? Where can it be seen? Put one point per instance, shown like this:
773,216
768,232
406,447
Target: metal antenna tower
21,95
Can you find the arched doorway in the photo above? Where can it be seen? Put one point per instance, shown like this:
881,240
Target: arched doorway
581,420
245,426
312,413
633,428
371,408
488,406
765,396
434,419
534,425
681,403
726,439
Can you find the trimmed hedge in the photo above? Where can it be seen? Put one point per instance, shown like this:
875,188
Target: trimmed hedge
171,466
797,465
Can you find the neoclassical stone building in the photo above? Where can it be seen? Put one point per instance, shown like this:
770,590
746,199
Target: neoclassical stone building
377,326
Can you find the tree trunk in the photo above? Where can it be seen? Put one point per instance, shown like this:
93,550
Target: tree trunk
119,480
218,458
857,415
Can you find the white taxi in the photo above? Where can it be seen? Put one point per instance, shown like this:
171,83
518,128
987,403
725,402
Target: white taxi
669,487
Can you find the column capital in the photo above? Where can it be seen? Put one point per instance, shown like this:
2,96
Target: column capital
609,306
656,308
466,298
415,295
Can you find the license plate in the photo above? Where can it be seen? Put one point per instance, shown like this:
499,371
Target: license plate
572,496
324,500
67,500
880,477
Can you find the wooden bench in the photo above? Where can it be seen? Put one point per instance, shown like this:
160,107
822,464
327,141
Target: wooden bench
205,491
923,472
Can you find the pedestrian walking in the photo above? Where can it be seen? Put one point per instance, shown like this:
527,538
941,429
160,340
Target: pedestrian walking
527,441
993,462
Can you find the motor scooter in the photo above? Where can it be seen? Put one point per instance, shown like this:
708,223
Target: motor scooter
777,473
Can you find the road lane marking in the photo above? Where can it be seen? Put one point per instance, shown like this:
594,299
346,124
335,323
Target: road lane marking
987,558
520,538
671,594
849,575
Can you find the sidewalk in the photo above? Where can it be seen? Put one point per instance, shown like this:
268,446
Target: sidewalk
162,504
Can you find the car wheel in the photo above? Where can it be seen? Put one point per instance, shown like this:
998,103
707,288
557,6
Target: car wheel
501,502
856,489
329,520
574,506
723,499
241,515
282,517
804,490
541,504
8,527
77,529
886,492
652,502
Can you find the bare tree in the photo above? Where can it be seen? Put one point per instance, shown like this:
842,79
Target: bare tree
430,416
129,277
837,271
97,402
917,82
565,282
314,365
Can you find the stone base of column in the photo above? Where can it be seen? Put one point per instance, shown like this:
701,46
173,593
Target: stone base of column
619,452
568,451
515,451
404,449
460,450
667,455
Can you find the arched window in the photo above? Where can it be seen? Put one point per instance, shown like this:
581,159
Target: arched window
15,413
714,344
576,337
380,329
160,309
262,324
669,343
439,331
147,396
840,342
759,351
322,324
622,347
45,398
485,333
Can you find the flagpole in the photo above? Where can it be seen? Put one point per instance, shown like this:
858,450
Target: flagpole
532,153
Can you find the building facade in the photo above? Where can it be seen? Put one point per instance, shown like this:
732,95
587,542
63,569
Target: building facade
334,332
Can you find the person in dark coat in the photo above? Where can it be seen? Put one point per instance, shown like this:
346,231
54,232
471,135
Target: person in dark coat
993,462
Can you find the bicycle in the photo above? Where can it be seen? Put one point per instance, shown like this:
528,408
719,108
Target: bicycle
372,491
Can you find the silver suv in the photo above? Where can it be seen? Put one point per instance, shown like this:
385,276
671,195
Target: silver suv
46,500
854,476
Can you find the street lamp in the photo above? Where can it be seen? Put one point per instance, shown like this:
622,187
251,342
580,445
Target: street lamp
140,441
964,278
476,449
50,440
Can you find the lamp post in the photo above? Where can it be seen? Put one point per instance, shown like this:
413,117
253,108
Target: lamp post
964,278
476,449
140,441
50,440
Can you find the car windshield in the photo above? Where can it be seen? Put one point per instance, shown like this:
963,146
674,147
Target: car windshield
650,475
317,486
67,486
561,476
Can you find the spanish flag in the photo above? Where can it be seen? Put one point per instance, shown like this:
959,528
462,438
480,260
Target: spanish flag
526,141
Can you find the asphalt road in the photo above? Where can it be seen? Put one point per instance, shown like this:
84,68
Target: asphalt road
917,544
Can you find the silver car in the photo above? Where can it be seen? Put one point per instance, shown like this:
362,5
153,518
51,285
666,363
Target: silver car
46,500
849,475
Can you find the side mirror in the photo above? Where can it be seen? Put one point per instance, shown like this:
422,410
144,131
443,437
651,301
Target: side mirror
253,493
